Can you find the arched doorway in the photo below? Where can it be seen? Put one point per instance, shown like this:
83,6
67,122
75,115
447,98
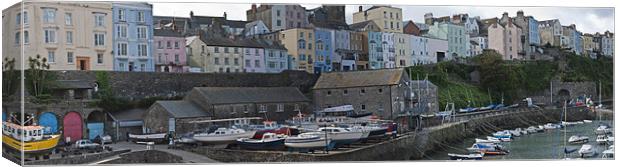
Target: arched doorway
563,95
72,127
95,124
49,121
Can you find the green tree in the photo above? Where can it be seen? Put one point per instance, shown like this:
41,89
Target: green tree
38,78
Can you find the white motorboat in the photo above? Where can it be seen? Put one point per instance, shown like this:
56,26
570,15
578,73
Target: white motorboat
601,139
500,139
151,137
531,129
523,132
580,122
550,126
502,134
466,157
608,154
578,139
586,151
487,141
374,131
515,133
307,141
603,129
610,140
587,121
223,135
341,136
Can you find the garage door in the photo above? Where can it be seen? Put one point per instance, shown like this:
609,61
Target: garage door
94,129
49,121
72,125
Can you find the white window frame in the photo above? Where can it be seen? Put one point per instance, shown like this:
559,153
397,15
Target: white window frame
69,36
49,36
26,37
99,20
122,31
141,16
122,51
280,108
143,50
262,108
142,34
70,56
68,19
99,39
51,56
99,58
121,14
49,15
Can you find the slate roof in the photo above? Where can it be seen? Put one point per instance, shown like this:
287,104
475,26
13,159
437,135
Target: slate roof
422,26
166,33
236,23
129,115
236,95
182,109
359,78
360,25
72,84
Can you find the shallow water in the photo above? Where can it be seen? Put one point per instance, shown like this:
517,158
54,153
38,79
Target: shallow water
545,145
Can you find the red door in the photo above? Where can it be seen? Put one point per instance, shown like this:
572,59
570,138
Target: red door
72,125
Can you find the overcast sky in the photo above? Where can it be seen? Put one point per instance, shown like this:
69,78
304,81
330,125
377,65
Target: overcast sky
587,19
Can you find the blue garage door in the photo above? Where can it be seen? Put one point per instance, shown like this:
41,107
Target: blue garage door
94,129
49,121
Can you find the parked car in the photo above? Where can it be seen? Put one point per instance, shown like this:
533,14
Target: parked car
86,144
103,138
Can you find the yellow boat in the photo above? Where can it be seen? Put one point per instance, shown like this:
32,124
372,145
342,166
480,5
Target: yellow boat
32,141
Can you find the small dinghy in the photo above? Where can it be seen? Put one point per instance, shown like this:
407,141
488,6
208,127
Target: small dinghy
500,139
466,156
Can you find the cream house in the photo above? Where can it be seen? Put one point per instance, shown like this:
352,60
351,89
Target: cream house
70,35
389,19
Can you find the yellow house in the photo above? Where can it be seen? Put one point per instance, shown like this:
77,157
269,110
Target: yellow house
389,19
70,35
300,45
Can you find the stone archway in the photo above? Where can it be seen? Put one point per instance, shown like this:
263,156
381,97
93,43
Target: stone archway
563,95
49,121
72,126
95,124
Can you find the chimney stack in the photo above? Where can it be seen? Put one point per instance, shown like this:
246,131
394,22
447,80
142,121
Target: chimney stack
224,15
191,13
520,13
360,8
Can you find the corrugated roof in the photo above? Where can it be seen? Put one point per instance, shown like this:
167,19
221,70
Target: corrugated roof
235,95
183,109
359,78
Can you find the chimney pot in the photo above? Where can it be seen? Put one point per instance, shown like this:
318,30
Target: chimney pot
360,8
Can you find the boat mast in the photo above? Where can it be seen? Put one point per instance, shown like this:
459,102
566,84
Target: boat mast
551,91
565,119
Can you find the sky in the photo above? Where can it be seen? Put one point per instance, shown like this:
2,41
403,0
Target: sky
587,19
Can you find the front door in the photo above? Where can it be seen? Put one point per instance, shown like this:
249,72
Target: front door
130,66
83,63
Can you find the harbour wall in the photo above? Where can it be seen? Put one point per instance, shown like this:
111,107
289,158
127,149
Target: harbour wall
412,145
146,156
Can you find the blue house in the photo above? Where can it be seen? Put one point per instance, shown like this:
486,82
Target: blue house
375,50
324,50
133,36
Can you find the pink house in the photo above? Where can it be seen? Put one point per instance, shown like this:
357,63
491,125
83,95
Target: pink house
169,51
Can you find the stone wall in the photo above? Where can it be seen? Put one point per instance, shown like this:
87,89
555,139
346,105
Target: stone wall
157,84
410,146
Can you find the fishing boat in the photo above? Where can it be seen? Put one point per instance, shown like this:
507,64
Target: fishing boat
578,139
601,139
603,129
223,135
487,141
341,136
586,150
500,139
307,141
148,137
466,156
28,138
269,141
